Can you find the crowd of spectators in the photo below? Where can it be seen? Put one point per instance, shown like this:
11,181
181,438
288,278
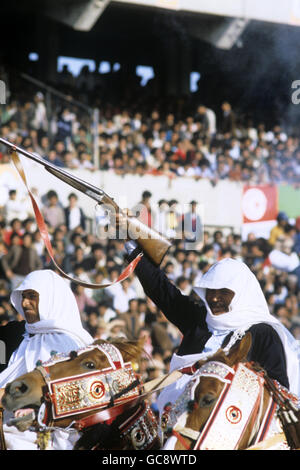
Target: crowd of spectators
193,141
197,145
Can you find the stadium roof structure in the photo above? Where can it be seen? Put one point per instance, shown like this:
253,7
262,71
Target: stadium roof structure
220,22
251,43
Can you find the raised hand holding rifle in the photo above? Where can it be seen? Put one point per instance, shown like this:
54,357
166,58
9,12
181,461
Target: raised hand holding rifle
151,242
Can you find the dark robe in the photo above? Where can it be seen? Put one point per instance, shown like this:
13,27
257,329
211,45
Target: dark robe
190,318
11,335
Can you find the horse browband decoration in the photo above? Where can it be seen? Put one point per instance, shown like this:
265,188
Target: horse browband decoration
90,391
109,393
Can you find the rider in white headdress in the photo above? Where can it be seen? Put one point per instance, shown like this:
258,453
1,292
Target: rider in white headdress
53,323
247,308
233,304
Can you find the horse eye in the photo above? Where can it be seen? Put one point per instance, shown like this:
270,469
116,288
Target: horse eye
90,365
207,400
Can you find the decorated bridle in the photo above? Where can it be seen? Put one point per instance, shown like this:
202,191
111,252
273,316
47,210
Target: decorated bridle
105,394
238,407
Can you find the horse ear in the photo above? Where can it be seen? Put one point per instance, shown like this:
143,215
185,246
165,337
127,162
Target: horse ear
131,350
240,350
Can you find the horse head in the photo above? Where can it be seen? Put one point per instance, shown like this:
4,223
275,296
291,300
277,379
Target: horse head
223,404
88,388
27,390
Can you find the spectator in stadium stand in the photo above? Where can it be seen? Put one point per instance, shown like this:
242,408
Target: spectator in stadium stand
84,302
14,228
39,120
132,321
228,120
20,260
64,126
143,210
85,161
65,77
83,137
192,224
96,260
161,216
160,336
70,160
122,294
92,323
207,118
52,211
74,259
280,257
14,207
278,230
52,157
173,219
74,215
105,311
60,148
43,147
28,225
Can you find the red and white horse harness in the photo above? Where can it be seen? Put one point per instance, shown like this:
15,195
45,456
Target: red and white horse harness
238,407
107,393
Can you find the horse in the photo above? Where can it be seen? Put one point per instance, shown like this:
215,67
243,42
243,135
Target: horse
94,391
229,404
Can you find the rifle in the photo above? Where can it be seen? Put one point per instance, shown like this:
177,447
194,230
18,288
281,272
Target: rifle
154,244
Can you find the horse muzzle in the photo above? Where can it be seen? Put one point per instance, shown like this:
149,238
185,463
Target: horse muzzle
17,395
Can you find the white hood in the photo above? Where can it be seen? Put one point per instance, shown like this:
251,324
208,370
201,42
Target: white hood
248,307
59,329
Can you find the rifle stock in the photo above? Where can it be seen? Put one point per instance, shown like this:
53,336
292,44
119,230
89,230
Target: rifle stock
154,244
151,241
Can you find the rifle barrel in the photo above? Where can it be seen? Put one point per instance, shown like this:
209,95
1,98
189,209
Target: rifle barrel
58,172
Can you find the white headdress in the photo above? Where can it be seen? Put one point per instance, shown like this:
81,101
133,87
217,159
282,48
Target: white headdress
248,307
59,329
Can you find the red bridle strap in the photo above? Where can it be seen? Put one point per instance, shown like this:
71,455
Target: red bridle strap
45,236
106,415
181,439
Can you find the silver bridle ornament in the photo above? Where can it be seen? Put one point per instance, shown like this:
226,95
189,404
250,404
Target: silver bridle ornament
88,391
241,396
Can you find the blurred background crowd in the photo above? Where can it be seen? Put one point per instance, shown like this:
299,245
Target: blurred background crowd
177,137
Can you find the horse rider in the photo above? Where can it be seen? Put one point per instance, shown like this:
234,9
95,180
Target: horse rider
51,323
232,303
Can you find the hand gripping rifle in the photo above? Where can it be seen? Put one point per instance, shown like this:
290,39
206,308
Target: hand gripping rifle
150,241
